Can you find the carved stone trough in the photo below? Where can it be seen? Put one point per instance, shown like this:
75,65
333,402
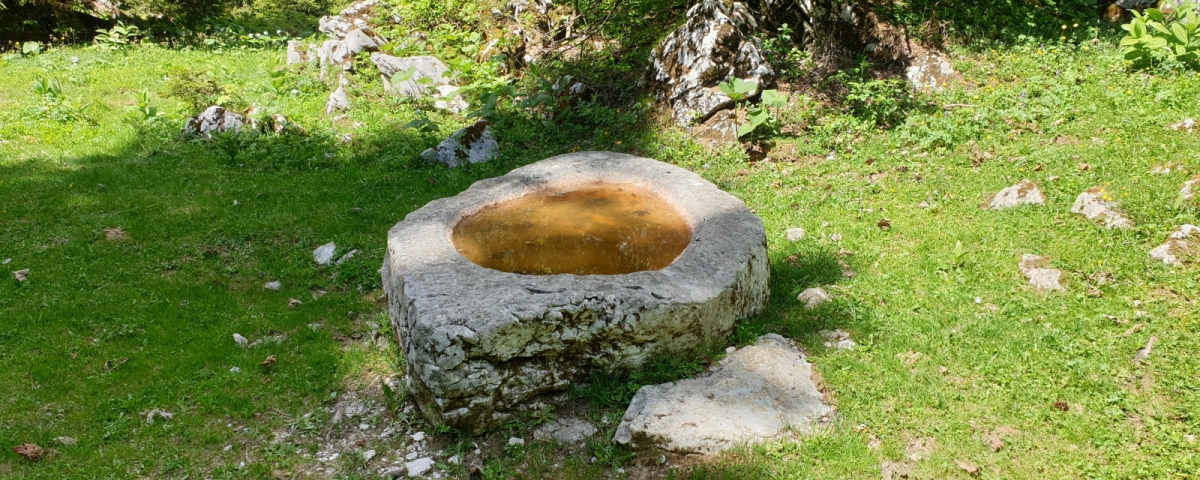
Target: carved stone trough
507,294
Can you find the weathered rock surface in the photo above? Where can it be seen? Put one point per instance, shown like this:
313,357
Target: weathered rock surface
1037,270
338,100
1182,246
214,119
838,339
473,144
1188,125
423,67
713,46
481,345
566,430
342,52
795,234
1025,192
324,253
756,393
931,71
297,52
355,16
813,297
1097,204
1189,188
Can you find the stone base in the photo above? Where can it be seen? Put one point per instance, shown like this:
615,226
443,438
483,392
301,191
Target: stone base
482,344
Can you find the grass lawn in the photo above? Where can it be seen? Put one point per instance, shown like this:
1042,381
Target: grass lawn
953,344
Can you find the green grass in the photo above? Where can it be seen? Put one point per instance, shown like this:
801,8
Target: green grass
104,331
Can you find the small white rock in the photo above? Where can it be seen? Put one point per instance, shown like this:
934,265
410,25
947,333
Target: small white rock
419,466
516,441
5,262
348,256
419,436
837,237
235,370
228,448
368,455
274,285
795,234
813,297
729,350
324,253
237,337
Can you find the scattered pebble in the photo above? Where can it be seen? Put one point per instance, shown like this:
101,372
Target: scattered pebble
838,339
795,234
21,275
348,256
293,303
516,441
243,341
1144,353
837,237
813,297
235,370
273,285
419,436
66,441
228,448
5,262
1036,270
368,455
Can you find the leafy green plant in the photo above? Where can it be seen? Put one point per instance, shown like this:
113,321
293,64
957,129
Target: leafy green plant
31,48
740,91
55,105
118,36
143,112
881,102
1164,36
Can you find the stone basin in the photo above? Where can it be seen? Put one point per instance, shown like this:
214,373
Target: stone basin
504,296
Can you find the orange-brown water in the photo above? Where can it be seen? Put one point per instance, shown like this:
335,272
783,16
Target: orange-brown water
594,230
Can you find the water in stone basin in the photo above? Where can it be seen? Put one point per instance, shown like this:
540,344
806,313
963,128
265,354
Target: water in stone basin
600,229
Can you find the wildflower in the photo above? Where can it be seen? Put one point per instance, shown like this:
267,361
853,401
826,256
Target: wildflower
1040,52
618,142
1062,38
1064,27
1076,25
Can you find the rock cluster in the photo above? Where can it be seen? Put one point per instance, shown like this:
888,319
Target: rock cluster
756,393
714,45
218,119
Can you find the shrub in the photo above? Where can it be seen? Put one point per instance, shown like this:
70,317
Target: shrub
1163,37
199,90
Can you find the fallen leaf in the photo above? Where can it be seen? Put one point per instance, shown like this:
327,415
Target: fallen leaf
111,364
165,415
29,450
969,467
1061,405
884,224
21,275
293,303
114,234
742,172
269,361
1132,330
1094,292
1084,167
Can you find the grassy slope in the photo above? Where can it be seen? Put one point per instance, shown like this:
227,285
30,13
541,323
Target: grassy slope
190,276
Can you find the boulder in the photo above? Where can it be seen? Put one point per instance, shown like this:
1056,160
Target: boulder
449,100
931,71
713,46
1025,192
338,101
424,67
473,144
214,119
483,345
759,392
355,16
1037,270
357,41
297,52
1182,246
813,297
1097,204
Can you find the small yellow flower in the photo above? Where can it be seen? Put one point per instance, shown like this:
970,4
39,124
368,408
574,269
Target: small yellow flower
1076,25
1064,27
1062,38
1129,92
1040,51
1022,169
618,142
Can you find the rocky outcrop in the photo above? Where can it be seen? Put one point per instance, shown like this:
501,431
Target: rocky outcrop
1182,246
422,67
757,393
214,119
714,45
1025,192
355,16
1097,204
931,71
473,144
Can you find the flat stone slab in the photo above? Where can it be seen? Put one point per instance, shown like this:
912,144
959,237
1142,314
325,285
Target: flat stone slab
756,393
481,345
1025,192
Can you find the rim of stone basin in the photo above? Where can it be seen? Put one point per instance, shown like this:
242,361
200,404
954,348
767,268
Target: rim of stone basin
710,213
